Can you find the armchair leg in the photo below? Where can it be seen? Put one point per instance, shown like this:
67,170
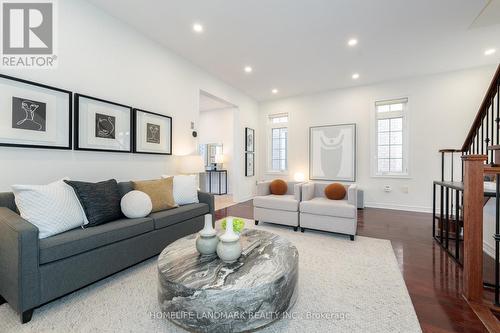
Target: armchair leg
26,316
295,229
256,222
302,229
2,300
352,237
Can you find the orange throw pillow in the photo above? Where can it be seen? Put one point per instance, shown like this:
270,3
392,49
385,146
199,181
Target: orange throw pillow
278,187
335,191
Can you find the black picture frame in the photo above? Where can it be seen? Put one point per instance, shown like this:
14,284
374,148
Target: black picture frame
135,135
247,172
249,130
70,115
77,124
355,138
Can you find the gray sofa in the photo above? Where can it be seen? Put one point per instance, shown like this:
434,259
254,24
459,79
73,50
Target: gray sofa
36,271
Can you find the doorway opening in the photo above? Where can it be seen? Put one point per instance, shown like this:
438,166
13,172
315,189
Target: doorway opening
216,146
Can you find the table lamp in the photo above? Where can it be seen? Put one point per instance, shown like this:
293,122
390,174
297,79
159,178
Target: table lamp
219,159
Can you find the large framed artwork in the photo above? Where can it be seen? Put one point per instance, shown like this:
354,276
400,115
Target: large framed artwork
34,115
152,133
102,125
332,152
249,164
249,139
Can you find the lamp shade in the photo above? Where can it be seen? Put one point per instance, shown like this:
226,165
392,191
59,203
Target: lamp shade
219,158
190,164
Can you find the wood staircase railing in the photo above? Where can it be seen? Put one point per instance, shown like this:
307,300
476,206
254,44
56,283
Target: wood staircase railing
480,160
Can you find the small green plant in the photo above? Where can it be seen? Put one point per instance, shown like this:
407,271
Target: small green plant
238,224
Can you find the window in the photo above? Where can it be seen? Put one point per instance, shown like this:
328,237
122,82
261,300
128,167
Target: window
278,147
391,155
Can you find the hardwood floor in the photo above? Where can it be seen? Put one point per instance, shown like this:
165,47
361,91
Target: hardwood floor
433,279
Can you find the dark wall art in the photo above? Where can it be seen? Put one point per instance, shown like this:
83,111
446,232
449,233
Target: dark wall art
34,115
153,133
105,126
28,114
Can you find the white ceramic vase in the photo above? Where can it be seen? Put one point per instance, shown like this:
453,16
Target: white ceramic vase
207,240
229,247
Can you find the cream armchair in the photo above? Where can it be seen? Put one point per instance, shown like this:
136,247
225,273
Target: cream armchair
279,209
320,213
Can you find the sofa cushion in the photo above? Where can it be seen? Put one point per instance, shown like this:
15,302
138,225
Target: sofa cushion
172,216
324,206
279,202
81,240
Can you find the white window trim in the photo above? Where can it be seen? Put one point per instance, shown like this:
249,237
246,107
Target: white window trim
406,140
269,127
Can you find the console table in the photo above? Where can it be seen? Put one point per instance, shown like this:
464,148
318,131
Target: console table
221,177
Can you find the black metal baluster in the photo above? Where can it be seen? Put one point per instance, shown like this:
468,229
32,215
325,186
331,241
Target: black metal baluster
497,240
441,215
482,137
487,140
498,112
434,210
442,166
447,230
457,224
492,129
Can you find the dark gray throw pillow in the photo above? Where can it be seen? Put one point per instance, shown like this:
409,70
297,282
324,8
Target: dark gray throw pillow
100,201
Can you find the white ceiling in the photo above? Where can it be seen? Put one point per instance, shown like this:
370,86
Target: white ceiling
299,46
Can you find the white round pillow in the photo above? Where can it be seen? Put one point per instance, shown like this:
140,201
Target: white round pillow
136,204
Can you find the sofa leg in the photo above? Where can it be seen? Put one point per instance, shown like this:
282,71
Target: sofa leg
2,300
302,229
295,228
352,237
26,316
256,222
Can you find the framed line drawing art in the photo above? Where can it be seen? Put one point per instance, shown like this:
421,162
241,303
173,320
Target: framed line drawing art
152,133
101,125
34,115
249,164
332,152
249,139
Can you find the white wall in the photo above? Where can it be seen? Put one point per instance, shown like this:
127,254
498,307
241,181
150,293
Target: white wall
102,57
441,110
216,126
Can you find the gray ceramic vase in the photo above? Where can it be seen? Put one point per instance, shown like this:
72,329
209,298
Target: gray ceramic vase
229,247
207,240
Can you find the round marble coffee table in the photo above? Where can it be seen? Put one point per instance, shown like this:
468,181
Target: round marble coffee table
204,294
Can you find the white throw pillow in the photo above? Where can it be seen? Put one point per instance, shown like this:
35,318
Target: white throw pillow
136,204
185,189
52,208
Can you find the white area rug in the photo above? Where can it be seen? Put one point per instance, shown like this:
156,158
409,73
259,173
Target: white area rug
344,286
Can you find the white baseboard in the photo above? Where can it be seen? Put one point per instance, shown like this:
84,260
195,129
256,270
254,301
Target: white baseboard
420,209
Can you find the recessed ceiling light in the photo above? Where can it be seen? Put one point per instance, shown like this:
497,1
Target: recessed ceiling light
197,27
274,91
352,42
355,76
489,52
248,69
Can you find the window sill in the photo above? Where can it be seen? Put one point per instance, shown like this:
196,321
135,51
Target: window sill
277,173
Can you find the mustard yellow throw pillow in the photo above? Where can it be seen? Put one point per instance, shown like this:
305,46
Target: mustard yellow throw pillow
161,192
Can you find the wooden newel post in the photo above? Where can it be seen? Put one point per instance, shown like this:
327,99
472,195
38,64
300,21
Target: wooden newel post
473,226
